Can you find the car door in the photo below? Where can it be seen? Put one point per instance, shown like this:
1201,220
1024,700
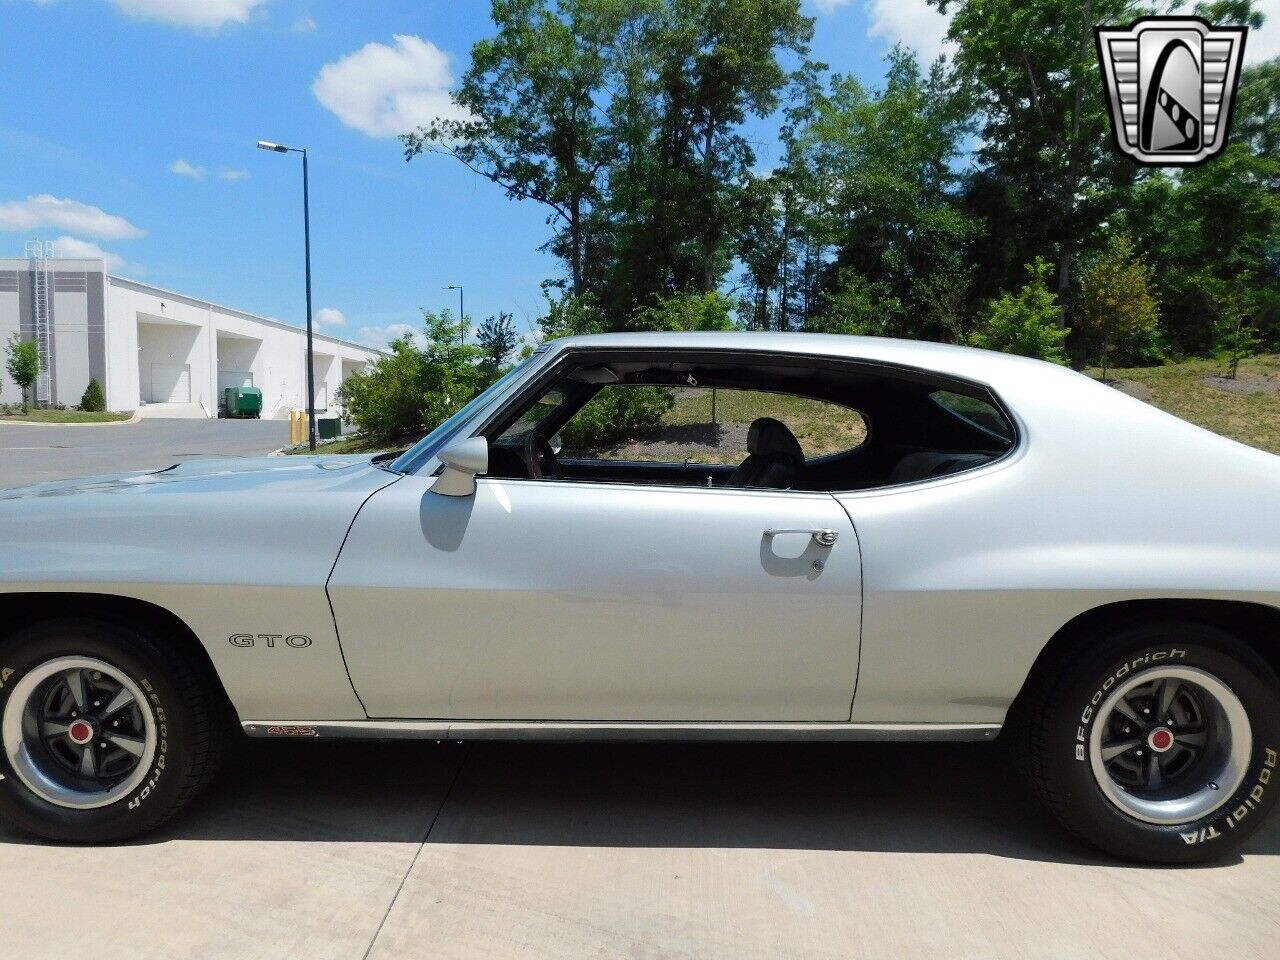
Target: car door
562,600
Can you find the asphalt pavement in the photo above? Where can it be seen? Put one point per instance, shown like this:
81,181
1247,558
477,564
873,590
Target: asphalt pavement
32,453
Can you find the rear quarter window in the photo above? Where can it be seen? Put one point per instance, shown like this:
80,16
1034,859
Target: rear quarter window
977,413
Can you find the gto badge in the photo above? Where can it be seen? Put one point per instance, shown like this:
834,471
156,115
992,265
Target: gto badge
297,641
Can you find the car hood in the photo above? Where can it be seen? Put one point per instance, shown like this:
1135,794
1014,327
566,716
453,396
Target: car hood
214,474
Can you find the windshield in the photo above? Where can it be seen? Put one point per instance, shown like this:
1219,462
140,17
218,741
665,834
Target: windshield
423,449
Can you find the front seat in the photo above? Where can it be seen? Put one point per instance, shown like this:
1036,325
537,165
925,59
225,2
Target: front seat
774,458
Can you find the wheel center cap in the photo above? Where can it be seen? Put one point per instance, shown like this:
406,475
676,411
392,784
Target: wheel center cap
81,732
1160,739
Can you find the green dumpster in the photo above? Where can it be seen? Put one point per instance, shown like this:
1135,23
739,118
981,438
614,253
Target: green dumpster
242,402
328,428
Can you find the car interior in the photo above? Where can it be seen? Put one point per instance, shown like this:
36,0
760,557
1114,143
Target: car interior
917,426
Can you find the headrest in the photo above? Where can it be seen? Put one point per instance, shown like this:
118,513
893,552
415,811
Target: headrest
770,436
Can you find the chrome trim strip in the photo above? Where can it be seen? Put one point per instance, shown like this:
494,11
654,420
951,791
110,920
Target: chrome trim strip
570,730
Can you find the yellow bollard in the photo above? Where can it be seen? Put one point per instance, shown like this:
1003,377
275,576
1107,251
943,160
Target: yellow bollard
293,428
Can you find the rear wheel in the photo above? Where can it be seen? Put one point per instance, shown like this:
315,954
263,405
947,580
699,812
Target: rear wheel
1160,743
104,733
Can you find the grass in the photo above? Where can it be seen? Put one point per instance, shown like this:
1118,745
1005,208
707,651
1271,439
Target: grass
355,444
820,427
64,416
1253,419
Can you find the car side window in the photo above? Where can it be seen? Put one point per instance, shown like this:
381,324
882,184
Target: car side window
700,424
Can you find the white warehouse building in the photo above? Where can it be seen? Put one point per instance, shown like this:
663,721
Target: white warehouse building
162,353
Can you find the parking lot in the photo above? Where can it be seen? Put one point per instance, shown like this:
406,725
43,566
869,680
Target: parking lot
31,453
492,850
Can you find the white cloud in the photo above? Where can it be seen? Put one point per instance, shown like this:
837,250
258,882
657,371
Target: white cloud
46,210
381,336
384,91
78,249
330,317
1265,43
234,174
830,6
193,14
184,169
913,23
304,24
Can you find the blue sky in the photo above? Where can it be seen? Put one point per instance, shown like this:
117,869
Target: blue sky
128,126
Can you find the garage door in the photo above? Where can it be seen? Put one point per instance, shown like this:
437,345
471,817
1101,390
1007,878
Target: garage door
234,378
170,383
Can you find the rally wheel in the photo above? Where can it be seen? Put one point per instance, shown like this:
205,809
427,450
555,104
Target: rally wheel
104,732
1160,743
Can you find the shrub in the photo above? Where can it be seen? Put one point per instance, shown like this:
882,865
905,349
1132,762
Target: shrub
616,414
1025,322
93,401
686,311
414,388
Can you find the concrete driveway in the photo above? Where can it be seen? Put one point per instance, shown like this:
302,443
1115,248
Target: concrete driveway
31,453
707,852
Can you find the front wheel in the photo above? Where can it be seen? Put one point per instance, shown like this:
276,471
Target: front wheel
104,733
1160,743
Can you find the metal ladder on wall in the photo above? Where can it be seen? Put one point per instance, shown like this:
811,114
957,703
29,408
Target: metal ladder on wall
41,296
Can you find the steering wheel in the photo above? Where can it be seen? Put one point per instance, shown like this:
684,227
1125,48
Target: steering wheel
541,458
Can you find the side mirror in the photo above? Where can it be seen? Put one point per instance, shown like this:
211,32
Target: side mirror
557,444
463,461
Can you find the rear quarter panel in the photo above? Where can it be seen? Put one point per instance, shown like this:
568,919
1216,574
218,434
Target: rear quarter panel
1106,499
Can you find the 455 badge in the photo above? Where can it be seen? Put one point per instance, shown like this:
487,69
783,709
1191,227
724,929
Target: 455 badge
1171,85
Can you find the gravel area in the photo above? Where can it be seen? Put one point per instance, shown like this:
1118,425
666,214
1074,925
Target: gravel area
1244,384
1134,389
706,442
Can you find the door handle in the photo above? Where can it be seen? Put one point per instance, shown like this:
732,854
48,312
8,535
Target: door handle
823,536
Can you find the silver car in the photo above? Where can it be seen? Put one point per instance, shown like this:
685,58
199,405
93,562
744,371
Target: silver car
719,536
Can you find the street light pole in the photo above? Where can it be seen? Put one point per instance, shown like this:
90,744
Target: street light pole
462,313
306,237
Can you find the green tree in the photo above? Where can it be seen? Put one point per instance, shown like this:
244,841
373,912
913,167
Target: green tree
497,339
1235,303
533,126
93,401
858,306
1025,322
23,365
1049,173
625,118
1117,303
871,178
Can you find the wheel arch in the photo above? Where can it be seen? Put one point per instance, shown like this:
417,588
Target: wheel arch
1251,622
21,609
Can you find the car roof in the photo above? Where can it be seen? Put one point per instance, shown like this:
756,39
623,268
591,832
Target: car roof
967,362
